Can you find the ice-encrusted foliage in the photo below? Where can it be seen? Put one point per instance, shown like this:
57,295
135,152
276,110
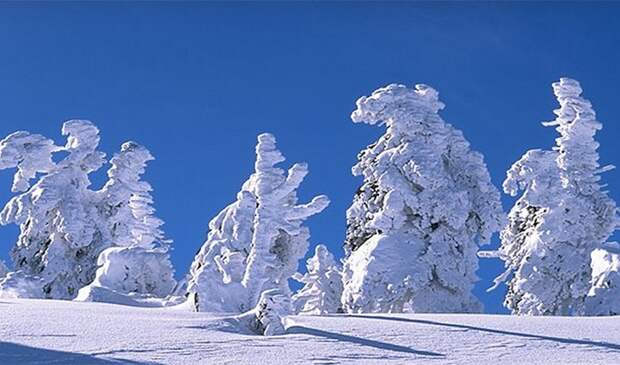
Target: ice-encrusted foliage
426,204
604,296
561,217
29,153
322,289
59,239
254,244
138,261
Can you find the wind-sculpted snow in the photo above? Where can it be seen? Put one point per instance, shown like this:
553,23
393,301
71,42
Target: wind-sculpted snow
29,153
561,217
427,202
322,289
255,244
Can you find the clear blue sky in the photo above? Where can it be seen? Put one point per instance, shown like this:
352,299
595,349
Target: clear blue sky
196,82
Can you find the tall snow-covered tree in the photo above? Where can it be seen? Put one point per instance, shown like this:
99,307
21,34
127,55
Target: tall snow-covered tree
426,204
138,261
254,244
561,217
59,241
604,296
322,289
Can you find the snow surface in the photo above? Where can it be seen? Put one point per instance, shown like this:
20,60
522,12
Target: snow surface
64,332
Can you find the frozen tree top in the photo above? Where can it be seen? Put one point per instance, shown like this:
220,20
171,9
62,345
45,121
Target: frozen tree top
82,141
379,107
29,153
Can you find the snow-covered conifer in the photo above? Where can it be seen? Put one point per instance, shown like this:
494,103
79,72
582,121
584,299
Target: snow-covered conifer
214,283
3,269
254,244
322,289
561,217
59,241
426,204
138,261
604,296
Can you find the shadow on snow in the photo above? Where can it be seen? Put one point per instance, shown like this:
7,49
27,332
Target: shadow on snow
358,340
12,353
570,341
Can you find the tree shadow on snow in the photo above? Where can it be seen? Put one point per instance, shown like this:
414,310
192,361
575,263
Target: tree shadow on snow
13,353
358,340
569,341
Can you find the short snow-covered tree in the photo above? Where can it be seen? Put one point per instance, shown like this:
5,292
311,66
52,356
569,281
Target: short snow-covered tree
322,289
214,283
561,217
59,241
604,296
254,244
138,261
426,204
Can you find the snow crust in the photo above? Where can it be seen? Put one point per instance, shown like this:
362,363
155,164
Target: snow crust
65,332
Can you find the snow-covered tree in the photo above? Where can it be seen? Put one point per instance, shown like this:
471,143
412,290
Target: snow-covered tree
561,217
214,283
3,269
138,261
254,244
426,204
59,240
322,289
604,296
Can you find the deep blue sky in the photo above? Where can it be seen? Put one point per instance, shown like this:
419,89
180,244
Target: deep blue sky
196,82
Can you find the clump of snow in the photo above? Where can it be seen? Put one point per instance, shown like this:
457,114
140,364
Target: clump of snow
426,204
322,289
268,317
29,153
255,244
132,270
604,296
17,284
561,217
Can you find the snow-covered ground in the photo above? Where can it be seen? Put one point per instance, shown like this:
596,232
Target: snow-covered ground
61,332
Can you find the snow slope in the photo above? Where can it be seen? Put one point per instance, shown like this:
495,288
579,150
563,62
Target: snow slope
61,332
